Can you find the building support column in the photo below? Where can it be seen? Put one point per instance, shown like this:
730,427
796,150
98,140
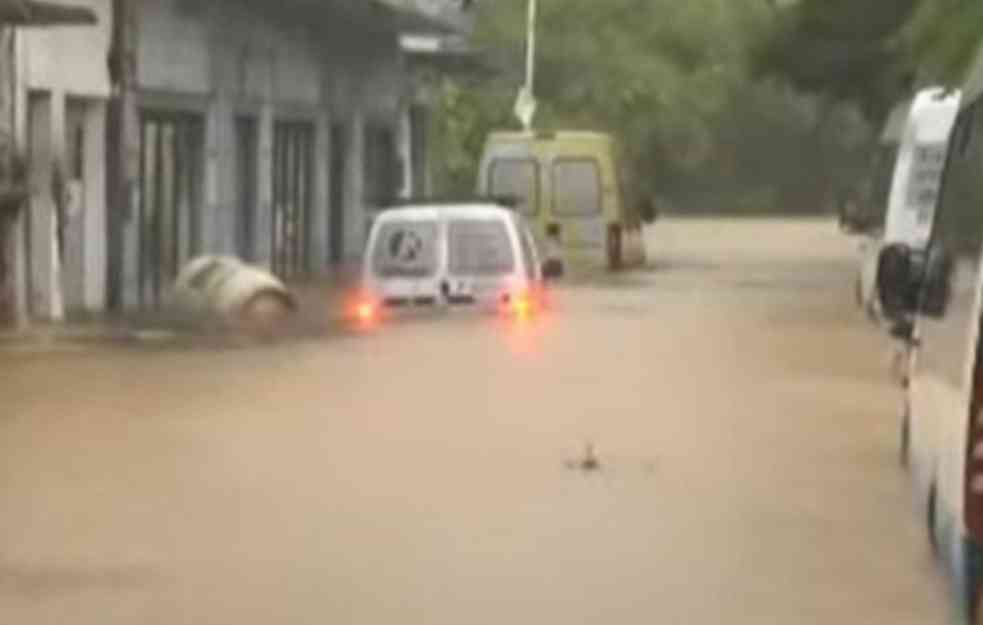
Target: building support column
356,217
264,188
94,224
322,193
46,119
404,153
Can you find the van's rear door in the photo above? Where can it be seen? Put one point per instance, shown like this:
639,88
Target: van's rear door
577,201
405,261
512,169
481,260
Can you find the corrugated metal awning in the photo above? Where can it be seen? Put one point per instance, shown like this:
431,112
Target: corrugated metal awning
406,19
387,15
34,13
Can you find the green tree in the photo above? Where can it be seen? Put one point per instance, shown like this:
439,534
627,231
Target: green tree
675,81
943,38
847,50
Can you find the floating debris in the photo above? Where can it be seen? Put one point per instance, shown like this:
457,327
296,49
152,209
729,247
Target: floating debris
587,463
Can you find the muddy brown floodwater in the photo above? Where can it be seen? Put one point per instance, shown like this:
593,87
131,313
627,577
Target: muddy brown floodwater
433,472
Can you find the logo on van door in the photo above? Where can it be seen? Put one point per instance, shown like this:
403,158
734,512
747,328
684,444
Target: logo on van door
405,247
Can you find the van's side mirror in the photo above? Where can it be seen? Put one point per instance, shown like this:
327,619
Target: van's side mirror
910,281
552,269
897,282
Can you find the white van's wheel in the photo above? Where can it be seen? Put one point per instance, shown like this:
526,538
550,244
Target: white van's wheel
615,248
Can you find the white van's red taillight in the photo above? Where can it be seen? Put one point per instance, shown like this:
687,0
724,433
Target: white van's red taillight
523,303
366,311
363,309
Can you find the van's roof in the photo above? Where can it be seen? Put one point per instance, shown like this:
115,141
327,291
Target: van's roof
933,113
549,135
477,210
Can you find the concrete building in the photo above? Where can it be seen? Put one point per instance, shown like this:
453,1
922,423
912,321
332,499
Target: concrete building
266,131
170,128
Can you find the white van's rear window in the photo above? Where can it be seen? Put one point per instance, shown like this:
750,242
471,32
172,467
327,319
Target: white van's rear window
518,178
405,249
479,248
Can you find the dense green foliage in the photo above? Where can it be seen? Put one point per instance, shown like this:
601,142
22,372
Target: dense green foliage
872,52
847,49
676,82
944,37
723,105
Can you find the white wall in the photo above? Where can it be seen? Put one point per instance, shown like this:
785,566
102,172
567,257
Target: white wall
70,58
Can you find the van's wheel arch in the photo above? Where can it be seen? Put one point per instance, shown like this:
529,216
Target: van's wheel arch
615,247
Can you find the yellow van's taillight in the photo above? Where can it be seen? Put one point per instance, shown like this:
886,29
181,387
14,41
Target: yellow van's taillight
522,305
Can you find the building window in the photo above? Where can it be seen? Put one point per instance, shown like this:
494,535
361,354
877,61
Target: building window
171,166
293,187
576,188
247,178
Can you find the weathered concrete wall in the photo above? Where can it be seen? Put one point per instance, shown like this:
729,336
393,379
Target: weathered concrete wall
173,50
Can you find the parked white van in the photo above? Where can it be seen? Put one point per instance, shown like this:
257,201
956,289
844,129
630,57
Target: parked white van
450,254
914,185
940,290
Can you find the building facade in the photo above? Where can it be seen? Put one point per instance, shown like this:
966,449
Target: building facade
268,132
165,129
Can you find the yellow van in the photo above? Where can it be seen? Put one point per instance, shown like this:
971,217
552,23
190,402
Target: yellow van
570,188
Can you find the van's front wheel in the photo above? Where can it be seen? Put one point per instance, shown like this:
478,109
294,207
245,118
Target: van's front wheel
615,248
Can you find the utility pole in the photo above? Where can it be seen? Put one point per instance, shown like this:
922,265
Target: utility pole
525,103
123,161
531,47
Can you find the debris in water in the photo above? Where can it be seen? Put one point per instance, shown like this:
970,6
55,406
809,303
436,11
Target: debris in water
588,463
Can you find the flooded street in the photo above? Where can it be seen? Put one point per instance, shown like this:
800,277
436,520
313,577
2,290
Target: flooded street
431,471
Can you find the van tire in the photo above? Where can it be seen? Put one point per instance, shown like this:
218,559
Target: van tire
615,248
930,520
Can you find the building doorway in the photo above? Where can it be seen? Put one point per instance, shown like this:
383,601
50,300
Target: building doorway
171,166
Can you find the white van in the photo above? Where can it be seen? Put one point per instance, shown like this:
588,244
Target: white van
914,185
436,255
942,421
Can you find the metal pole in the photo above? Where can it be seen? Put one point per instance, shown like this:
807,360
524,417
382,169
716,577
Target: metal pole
531,47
